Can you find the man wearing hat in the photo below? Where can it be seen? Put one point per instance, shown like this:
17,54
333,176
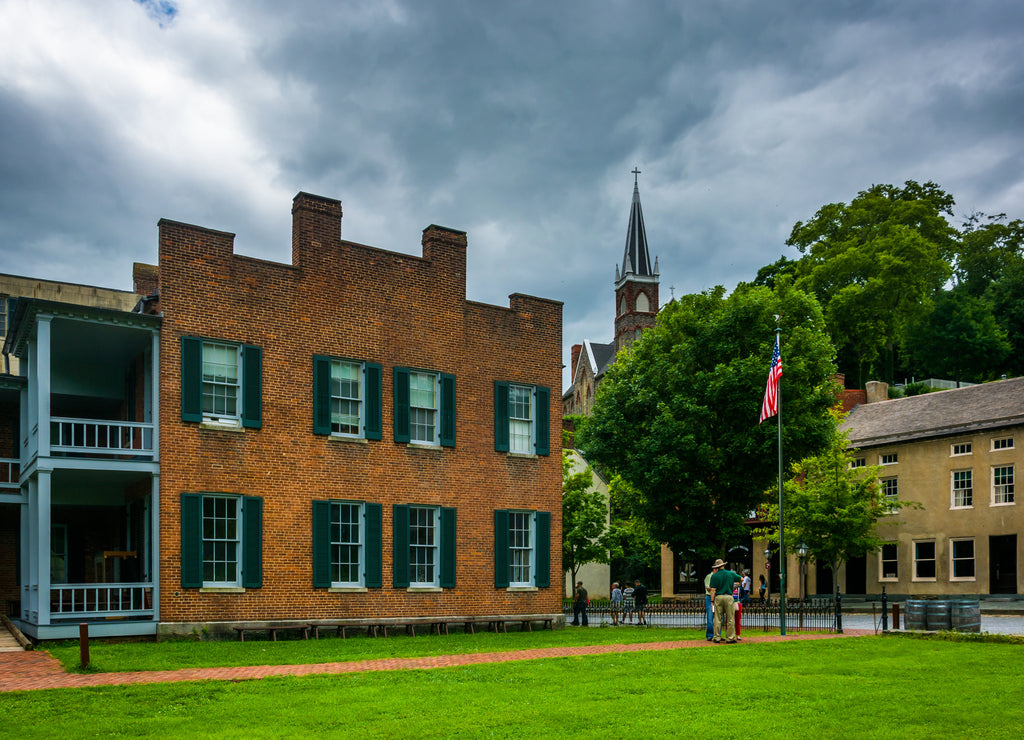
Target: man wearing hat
722,580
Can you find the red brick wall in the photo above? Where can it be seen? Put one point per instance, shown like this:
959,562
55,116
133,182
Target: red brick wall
628,324
349,300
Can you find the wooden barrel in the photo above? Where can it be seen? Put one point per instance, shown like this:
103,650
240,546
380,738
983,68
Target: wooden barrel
938,616
914,618
966,616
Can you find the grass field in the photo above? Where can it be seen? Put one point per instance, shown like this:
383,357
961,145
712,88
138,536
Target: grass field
871,687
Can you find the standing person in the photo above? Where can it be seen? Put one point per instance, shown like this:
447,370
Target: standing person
709,606
579,605
616,603
762,587
722,581
745,587
627,604
640,596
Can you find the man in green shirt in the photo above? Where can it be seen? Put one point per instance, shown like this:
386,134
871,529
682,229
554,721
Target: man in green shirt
722,580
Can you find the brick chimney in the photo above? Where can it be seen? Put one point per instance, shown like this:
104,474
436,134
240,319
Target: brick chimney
145,278
576,349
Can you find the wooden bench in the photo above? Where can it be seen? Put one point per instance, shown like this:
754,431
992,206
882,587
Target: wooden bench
272,629
500,624
343,625
436,625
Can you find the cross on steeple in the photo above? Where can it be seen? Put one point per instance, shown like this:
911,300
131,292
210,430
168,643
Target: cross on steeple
636,171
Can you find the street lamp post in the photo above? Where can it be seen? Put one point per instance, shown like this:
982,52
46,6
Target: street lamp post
801,550
768,572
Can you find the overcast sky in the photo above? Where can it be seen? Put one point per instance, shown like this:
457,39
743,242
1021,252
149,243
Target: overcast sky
518,122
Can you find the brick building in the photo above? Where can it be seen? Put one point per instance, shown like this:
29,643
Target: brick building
343,436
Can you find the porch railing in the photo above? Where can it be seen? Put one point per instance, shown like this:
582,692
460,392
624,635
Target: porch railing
97,436
9,470
76,600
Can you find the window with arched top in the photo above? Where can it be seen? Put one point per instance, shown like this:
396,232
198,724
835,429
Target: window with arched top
622,306
642,303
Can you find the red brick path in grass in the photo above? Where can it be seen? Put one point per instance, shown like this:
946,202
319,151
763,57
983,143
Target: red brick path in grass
25,671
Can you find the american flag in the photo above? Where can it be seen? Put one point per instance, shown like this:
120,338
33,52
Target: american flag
770,407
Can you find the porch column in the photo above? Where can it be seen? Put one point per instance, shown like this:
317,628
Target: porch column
25,544
153,392
43,545
154,552
42,376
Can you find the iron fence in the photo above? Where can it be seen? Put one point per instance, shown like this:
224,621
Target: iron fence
815,614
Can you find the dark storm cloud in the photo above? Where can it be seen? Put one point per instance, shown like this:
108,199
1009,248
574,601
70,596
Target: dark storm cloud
518,122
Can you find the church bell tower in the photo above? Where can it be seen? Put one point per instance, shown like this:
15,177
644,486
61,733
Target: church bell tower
636,282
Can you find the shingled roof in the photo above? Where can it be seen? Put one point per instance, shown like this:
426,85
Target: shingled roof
939,414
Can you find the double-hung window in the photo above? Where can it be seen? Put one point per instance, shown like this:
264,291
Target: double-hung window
962,489
424,407
221,541
521,418
889,562
858,462
924,560
346,544
346,398
424,546
1002,443
1002,484
890,458
522,549
221,382
961,555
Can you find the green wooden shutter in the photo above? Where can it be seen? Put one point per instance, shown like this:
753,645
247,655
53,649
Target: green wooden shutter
400,546
447,410
501,416
252,386
252,542
448,547
191,540
321,395
374,577
321,544
191,379
543,575
401,400
500,548
543,421
374,428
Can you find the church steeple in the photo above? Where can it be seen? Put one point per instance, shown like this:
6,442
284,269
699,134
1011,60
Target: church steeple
636,283
636,259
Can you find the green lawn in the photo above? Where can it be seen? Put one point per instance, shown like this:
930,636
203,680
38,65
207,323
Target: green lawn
846,688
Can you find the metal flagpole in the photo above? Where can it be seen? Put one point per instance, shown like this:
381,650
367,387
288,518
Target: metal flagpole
782,537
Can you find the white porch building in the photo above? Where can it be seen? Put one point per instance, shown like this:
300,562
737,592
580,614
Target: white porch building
84,484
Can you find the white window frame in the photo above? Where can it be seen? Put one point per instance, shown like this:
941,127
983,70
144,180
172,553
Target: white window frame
858,462
1003,490
421,410
889,458
337,399
960,449
966,493
218,545
522,548
895,560
424,556
917,561
1002,443
338,542
953,559
210,384
518,442
890,492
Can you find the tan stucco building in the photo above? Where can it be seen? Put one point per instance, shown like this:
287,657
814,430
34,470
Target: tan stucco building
955,455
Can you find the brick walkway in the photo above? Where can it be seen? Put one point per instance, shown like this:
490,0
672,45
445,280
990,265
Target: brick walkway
25,671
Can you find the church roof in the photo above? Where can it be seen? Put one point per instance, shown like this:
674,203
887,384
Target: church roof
939,414
636,259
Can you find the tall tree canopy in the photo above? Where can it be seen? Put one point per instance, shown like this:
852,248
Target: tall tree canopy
874,265
677,415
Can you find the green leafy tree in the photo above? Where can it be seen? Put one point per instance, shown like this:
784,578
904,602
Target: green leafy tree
677,415
1006,296
584,519
830,506
874,265
635,552
960,339
988,248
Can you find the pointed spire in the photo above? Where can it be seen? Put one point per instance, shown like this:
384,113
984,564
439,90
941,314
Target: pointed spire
636,260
